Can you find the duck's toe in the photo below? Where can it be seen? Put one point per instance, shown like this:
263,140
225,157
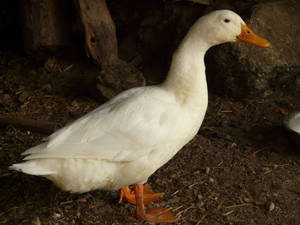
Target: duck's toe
159,215
129,196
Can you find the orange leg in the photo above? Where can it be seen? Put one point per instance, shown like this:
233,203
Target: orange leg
126,194
129,196
157,215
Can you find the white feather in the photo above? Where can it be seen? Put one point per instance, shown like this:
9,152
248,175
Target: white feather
131,128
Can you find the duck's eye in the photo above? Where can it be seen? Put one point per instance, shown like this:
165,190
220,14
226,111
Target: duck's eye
226,20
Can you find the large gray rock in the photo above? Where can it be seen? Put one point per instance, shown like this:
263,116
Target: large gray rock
241,70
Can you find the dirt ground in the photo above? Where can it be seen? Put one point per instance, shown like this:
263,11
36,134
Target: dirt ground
241,168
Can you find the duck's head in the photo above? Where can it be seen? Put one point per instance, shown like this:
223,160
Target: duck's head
226,26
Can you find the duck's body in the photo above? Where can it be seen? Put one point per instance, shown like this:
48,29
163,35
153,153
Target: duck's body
128,138
124,144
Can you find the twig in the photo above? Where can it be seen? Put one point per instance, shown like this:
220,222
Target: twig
183,211
238,205
190,186
66,202
259,150
178,208
201,219
228,213
68,67
175,193
226,111
28,124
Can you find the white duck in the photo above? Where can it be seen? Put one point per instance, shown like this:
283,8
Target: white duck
127,139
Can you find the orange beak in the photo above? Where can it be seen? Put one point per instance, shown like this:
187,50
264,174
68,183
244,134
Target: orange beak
248,36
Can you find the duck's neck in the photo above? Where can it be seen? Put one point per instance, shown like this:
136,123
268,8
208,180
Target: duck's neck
186,77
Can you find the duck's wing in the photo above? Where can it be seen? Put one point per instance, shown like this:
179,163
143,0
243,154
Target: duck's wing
124,129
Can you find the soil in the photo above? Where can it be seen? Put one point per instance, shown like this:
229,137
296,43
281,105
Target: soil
241,168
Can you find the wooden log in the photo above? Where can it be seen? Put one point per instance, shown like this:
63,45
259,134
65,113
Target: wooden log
45,23
100,33
41,126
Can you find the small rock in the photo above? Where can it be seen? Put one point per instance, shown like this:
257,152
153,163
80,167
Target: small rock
271,206
56,215
207,170
233,145
211,180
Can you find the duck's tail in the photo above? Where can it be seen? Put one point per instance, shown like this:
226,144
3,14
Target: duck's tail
31,167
